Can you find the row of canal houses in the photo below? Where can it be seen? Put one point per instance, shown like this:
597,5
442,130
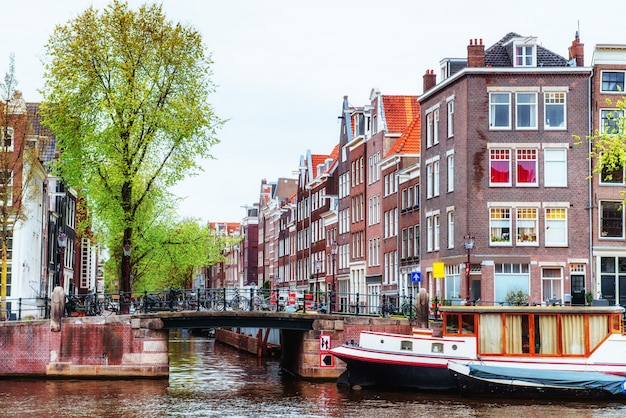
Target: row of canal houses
44,247
471,190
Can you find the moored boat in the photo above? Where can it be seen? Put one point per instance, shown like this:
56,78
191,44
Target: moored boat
543,338
476,378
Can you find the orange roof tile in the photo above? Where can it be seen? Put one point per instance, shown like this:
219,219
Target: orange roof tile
409,141
400,111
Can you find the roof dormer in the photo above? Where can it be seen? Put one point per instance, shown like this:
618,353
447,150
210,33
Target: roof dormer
524,51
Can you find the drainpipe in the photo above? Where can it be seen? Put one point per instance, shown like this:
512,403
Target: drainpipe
591,202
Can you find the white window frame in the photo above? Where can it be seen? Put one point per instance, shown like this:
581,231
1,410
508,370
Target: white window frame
429,180
554,100
554,225
616,87
497,152
555,167
603,234
500,223
436,126
429,130
450,228
521,104
495,108
527,226
450,164
610,117
437,229
450,106
525,55
435,178
525,152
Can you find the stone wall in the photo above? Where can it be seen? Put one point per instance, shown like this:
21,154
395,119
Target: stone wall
86,347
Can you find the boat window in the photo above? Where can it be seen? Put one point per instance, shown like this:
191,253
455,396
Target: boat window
406,345
490,334
516,334
573,334
546,341
598,329
468,323
437,348
616,323
452,324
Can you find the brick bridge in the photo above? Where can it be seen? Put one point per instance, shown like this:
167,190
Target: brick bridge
136,346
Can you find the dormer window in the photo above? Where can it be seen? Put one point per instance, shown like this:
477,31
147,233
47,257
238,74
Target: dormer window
525,52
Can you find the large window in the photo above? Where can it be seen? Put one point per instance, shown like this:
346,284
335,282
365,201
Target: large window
526,167
500,110
526,223
551,283
556,227
554,110
429,180
500,167
555,167
612,82
511,277
435,178
500,226
611,220
526,111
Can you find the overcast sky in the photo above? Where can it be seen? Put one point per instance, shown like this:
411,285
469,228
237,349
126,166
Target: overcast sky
282,67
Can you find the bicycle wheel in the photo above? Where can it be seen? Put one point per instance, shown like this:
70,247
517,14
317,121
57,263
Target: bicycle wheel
240,303
408,310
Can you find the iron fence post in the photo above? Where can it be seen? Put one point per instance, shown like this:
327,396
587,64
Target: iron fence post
357,304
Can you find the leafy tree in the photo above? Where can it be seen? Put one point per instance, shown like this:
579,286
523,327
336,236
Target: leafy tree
608,146
19,164
127,97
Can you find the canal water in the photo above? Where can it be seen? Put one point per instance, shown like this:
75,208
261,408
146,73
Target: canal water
208,379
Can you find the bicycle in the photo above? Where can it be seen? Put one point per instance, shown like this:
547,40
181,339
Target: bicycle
387,308
237,303
408,310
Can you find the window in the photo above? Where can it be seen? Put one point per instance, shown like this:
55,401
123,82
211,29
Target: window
416,196
551,283
437,223
612,176
526,111
500,167
450,159
554,110
524,56
404,200
429,130
429,180
429,233
450,118
556,227
6,136
555,168
612,82
416,241
612,220
500,110
409,242
610,120
451,229
526,167
436,178
500,226
526,223
436,127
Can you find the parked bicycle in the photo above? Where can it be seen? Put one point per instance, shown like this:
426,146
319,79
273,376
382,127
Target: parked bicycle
237,302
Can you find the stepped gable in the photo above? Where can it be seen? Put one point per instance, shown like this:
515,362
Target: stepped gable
501,54
400,111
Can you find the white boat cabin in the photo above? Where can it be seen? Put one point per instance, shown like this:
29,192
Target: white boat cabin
534,330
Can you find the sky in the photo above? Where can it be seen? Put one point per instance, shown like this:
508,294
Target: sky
282,67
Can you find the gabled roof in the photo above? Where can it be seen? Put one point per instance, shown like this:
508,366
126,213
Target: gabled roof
500,54
399,112
409,141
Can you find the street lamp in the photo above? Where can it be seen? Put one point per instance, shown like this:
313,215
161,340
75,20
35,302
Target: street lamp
469,244
62,242
125,282
318,266
333,252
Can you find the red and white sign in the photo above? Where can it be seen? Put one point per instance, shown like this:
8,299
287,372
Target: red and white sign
325,342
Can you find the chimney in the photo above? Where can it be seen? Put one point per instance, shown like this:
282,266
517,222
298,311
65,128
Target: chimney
577,51
430,79
476,54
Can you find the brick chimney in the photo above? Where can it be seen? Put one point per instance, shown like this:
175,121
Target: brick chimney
476,53
577,51
430,79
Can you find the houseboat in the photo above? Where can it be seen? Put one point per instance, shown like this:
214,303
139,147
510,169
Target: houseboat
543,338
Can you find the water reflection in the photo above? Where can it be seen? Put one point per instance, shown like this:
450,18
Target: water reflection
211,380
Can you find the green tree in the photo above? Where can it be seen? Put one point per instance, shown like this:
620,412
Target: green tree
127,97
19,164
608,145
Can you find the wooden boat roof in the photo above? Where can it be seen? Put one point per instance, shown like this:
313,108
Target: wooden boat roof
604,310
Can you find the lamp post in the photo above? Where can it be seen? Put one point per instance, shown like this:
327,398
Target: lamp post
469,244
125,282
318,265
62,242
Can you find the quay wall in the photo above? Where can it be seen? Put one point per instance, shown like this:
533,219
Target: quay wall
86,347
304,355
